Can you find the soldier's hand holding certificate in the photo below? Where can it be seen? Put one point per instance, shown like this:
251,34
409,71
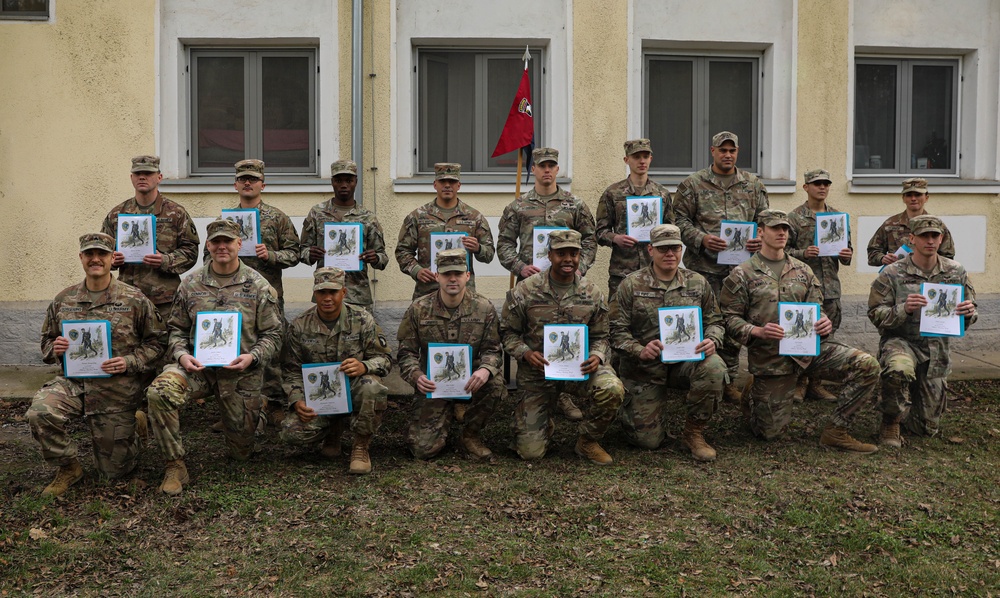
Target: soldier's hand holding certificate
89,347
449,368
136,236
217,337
940,316
566,347
327,390
799,321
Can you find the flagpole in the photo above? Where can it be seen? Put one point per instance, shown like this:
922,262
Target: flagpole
517,194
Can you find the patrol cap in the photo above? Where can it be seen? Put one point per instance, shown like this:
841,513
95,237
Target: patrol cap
328,278
544,154
665,234
633,146
914,186
447,171
719,138
819,174
559,239
222,228
343,167
97,241
926,224
773,218
250,167
451,260
146,164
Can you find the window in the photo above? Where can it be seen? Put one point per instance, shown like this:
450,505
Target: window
33,10
253,104
905,116
687,99
464,97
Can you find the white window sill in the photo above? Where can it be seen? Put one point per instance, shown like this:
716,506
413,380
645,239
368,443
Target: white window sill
224,184
471,183
936,185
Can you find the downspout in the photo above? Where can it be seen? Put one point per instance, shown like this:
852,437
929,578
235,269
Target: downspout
357,90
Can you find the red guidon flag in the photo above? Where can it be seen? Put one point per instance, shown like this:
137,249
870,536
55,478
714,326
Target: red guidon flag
519,130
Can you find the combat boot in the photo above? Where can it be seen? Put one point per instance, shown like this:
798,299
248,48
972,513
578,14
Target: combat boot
889,434
736,394
175,477
816,392
142,426
835,437
361,463
473,444
589,449
800,389
459,408
568,408
67,475
693,439
331,444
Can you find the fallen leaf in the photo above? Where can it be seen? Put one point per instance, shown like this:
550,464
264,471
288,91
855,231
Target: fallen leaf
37,534
956,440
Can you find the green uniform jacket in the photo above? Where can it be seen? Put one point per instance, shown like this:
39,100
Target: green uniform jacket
895,232
612,220
802,235
521,216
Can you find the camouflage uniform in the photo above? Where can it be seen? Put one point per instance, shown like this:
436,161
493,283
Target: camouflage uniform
826,269
137,334
894,233
634,323
914,367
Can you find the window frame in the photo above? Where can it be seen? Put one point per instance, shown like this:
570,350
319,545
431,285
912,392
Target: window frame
27,15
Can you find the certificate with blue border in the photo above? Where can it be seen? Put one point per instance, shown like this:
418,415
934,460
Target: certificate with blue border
903,251
680,333
136,236
217,337
565,347
449,367
249,221
735,233
799,322
445,241
540,245
642,214
343,244
326,389
89,347
938,317
832,233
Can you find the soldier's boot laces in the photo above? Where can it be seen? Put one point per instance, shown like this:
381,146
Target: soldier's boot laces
473,444
361,463
693,439
175,477
331,444
589,449
459,410
889,433
67,475
800,389
816,392
142,426
569,409
836,437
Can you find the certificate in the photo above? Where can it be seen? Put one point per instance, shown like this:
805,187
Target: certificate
900,253
680,333
565,347
249,221
217,337
327,390
938,317
831,233
736,234
798,320
540,245
643,214
136,237
449,368
343,244
444,242
89,347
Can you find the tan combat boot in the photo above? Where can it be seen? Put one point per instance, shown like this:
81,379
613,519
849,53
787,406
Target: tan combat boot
568,408
835,437
67,475
175,477
361,463
693,439
816,392
142,426
889,434
218,427
458,409
331,444
736,394
473,444
800,389
589,449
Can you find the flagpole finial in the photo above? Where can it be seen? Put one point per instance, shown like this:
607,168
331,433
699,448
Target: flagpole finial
527,54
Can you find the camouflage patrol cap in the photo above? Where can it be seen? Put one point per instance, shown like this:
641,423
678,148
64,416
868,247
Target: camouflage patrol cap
343,167
559,239
222,228
926,224
146,164
665,234
773,218
719,138
328,278
819,174
250,167
452,260
97,241
447,171
633,146
544,154
914,186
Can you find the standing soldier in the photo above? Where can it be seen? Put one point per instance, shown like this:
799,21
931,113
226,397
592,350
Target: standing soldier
915,367
342,207
453,314
333,331
447,213
627,255
703,200
801,246
635,335
896,229
750,297
138,339
159,274
559,296
222,284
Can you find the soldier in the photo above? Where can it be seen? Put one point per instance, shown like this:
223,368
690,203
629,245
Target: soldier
635,335
559,296
915,367
801,246
138,339
159,274
222,284
627,255
894,232
342,207
750,297
702,201
334,331
453,314
447,213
